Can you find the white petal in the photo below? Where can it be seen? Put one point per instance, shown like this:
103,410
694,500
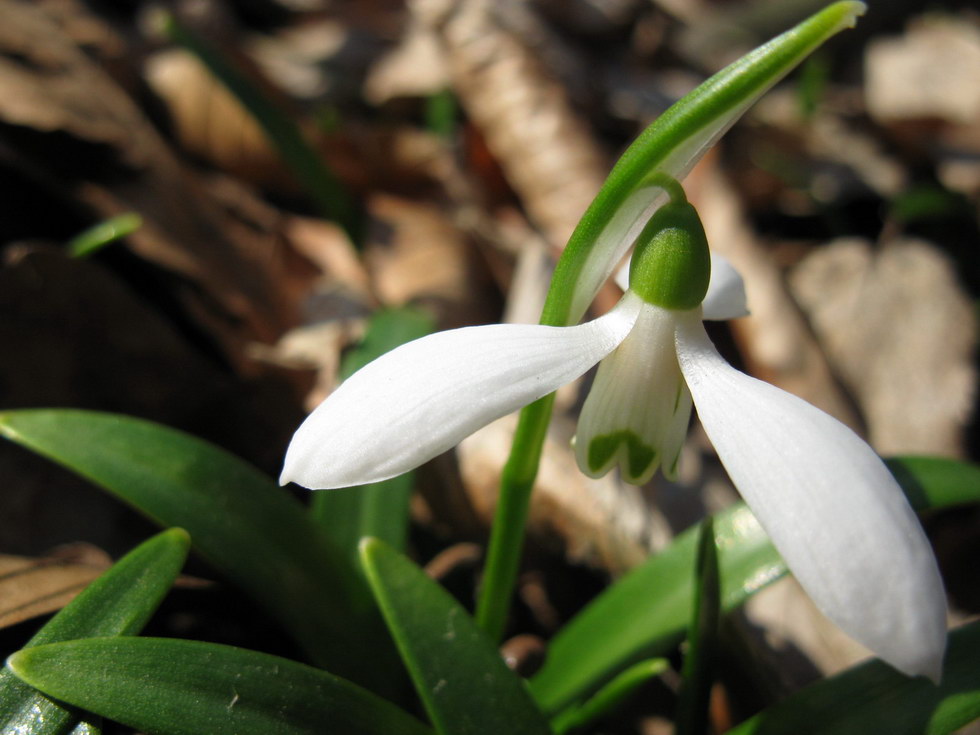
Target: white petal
636,414
726,292
829,505
622,277
422,398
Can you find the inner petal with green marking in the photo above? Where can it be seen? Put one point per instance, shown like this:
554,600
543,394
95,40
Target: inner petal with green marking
624,446
636,414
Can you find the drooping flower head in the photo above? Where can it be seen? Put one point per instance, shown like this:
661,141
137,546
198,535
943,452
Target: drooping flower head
828,502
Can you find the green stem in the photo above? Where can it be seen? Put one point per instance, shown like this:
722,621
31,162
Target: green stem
507,536
517,482
663,153
675,191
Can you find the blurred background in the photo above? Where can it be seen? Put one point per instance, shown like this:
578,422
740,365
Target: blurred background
460,140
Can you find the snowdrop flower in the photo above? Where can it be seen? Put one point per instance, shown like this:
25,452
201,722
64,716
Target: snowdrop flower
827,501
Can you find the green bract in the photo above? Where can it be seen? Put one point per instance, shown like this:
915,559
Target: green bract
666,151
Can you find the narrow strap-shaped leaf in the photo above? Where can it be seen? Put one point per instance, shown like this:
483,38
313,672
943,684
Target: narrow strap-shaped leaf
692,704
610,696
119,602
381,509
247,527
104,233
645,613
179,687
934,482
459,674
874,698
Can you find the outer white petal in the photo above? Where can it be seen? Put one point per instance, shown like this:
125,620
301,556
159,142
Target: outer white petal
726,292
829,505
422,398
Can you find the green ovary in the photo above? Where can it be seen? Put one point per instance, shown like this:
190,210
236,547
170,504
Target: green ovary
671,265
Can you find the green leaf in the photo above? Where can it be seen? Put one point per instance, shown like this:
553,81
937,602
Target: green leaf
692,704
170,686
936,482
91,725
874,698
460,676
252,531
118,602
812,84
104,233
647,611
667,150
381,509
610,696
644,614
441,114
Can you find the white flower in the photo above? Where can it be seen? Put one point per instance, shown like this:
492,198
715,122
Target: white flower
825,498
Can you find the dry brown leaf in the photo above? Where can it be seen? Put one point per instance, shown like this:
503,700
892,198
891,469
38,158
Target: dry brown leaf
415,254
545,150
211,123
601,522
775,340
415,68
795,638
932,71
32,586
902,335
229,269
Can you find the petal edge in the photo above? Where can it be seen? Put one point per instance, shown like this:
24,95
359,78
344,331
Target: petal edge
422,398
829,505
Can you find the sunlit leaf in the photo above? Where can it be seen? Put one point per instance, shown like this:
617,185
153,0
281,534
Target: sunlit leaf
179,687
874,698
117,603
645,613
610,695
692,701
104,233
459,674
251,530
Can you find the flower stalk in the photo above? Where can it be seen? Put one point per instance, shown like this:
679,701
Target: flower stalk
825,498
644,179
